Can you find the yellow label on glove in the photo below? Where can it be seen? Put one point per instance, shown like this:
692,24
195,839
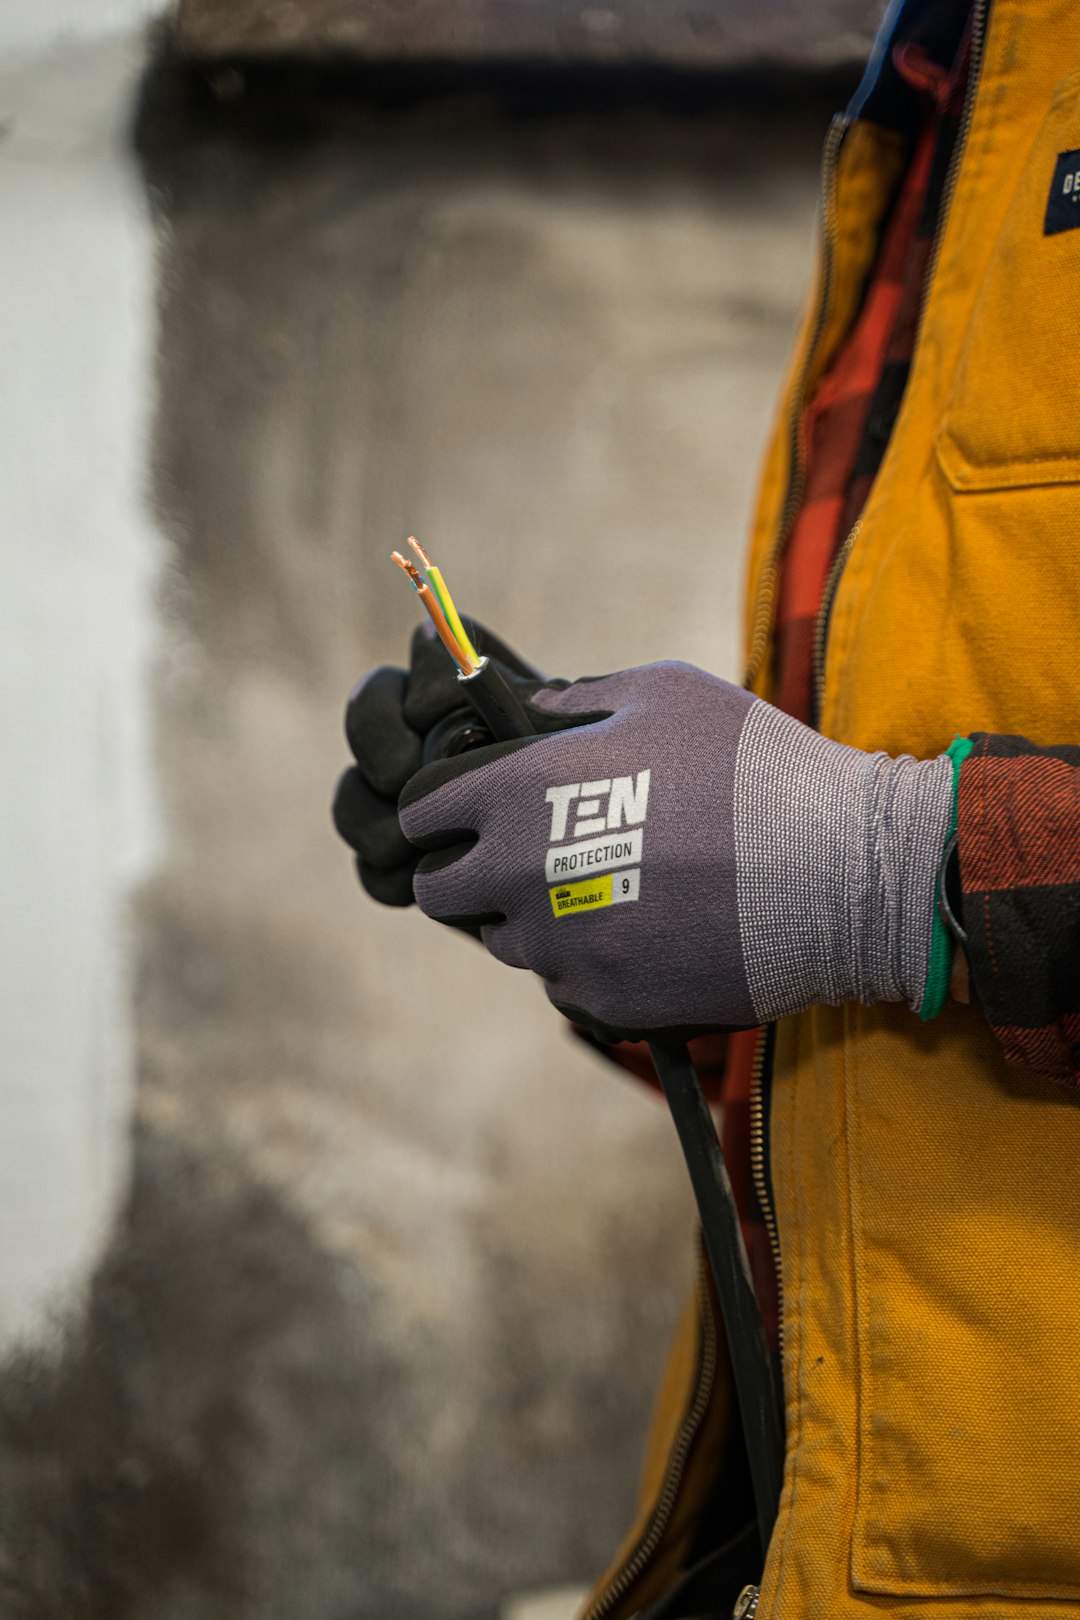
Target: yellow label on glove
588,896
608,890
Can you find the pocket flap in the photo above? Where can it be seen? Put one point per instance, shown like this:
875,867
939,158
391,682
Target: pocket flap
1013,417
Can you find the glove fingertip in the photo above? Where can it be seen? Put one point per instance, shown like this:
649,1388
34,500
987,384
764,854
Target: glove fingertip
368,822
385,747
391,886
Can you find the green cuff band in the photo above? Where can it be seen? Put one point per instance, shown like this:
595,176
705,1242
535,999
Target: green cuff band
942,945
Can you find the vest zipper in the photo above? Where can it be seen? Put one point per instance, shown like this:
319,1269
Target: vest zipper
638,1559
821,627
821,623
746,1603
766,594
759,1130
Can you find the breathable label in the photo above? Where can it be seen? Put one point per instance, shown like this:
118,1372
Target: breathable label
1063,205
610,890
593,855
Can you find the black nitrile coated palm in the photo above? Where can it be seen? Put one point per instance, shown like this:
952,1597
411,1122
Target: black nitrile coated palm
388,717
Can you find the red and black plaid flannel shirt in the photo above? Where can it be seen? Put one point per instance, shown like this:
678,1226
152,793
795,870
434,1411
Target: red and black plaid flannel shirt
846,425
1019,848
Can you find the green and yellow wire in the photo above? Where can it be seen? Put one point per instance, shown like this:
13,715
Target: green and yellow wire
446,601
435,595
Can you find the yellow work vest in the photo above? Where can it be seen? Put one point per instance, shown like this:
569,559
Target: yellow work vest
927,1195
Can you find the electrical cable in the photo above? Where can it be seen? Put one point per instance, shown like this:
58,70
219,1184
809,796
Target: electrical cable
751,1359
505,717
490,694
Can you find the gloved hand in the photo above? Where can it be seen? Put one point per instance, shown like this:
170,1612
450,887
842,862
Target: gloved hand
685,856
390,714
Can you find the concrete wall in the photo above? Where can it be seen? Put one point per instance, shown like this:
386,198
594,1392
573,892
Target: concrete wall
377,1325
33,28
721,33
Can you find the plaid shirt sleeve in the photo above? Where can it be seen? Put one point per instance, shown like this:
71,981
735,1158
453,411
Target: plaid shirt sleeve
1018,823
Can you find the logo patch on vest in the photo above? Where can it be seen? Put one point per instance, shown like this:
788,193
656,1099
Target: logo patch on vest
1063,207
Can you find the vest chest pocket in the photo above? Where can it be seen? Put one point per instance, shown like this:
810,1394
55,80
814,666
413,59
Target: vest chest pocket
1013,418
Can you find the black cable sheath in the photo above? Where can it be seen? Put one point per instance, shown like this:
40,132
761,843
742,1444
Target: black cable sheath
751,1359
496,702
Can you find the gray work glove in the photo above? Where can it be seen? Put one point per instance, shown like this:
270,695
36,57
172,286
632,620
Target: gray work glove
685,856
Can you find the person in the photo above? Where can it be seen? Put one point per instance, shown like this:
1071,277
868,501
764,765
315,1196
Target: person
864,864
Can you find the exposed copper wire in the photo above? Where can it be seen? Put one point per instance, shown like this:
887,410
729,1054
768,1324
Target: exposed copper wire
420,552
410,569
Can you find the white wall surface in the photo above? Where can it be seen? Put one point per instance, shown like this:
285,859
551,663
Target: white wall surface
77,823
28,27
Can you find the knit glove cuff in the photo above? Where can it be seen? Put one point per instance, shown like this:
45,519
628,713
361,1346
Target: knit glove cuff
838,852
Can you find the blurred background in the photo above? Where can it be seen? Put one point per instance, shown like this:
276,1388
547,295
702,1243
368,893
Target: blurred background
336,1276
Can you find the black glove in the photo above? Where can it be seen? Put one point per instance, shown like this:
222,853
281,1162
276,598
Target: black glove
392,720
